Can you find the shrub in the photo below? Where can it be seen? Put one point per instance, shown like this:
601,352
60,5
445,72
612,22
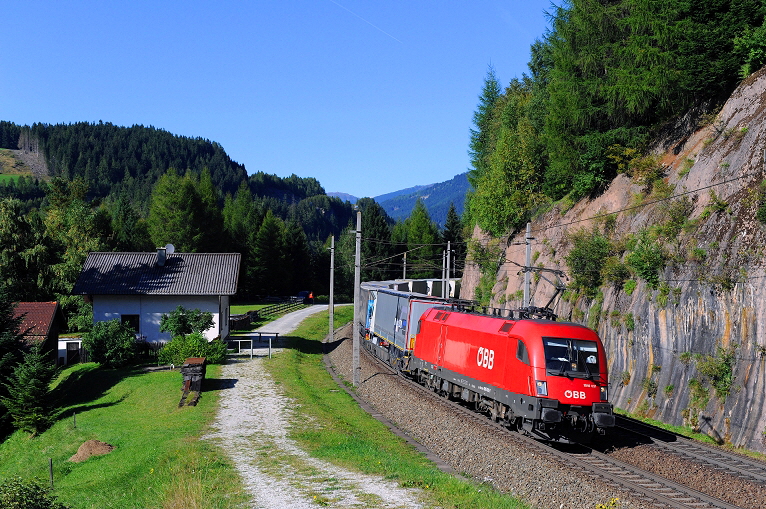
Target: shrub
586,260
687,166
629,286
192,345
15,493
646,170
716,203
720,369
662,296
650,386
594,313
648,259
698,395
677,214
697,254
110,343
625,378
615,271
630,322
183,321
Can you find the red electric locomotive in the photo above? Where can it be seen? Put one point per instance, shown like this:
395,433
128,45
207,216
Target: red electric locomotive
548,379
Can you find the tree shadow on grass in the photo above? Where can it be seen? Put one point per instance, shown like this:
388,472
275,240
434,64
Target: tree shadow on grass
84,386
303,345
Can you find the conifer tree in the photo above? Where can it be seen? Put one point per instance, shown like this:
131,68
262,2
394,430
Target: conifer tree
29,394
297,259
424,255
10,352
173,213
453,232
376,246
267,269
481,136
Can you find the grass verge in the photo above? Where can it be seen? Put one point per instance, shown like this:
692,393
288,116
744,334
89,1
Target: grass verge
159,460
334,428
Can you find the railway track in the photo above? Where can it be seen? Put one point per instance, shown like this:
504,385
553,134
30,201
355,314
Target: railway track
714,457
653,490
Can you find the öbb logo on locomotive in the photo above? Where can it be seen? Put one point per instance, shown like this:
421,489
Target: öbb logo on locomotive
539,376
485,358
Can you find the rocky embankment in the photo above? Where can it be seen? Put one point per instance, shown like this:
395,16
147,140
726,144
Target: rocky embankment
691,350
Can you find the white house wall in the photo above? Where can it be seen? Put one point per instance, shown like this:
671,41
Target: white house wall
150,309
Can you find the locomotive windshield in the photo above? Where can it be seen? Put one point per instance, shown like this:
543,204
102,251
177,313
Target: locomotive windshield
571,357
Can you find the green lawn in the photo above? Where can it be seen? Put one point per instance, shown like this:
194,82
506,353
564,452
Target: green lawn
158,460
241,309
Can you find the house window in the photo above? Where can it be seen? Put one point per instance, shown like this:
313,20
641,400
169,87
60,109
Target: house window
131,320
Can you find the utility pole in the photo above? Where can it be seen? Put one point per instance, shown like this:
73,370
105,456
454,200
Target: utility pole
528,266
444,266
331,308
356,368
449,256
404,267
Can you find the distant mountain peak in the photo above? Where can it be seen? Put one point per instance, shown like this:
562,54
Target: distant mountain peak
344,196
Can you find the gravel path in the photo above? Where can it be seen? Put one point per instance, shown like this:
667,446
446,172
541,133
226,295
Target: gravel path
252,427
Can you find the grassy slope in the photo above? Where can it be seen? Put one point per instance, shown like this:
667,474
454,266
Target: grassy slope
158,460
344,434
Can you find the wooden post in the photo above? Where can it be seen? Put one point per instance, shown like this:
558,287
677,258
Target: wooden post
50,470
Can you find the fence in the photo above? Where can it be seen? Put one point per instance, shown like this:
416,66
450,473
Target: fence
281,307
250,340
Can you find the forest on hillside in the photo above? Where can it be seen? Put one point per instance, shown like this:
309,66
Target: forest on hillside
603,82
134,188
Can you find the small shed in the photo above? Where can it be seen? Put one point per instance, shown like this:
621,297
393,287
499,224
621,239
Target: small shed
40,324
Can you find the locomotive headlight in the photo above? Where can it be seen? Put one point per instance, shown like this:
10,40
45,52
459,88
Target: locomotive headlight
542,387
604,393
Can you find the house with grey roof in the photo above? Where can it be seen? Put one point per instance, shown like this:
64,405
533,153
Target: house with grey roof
138,288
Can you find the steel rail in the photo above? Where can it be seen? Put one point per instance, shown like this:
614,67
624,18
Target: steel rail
645,485
734,464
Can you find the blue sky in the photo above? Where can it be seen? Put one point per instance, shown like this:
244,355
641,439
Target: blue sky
367,97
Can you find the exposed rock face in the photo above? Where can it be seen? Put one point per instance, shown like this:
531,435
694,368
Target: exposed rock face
715,298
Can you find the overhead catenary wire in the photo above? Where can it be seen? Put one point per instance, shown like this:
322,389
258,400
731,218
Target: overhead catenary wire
428,264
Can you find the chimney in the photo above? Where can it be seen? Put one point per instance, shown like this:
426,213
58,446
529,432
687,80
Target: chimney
161,256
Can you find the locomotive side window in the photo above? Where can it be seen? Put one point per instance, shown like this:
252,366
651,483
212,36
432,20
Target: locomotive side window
521,352
571,357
